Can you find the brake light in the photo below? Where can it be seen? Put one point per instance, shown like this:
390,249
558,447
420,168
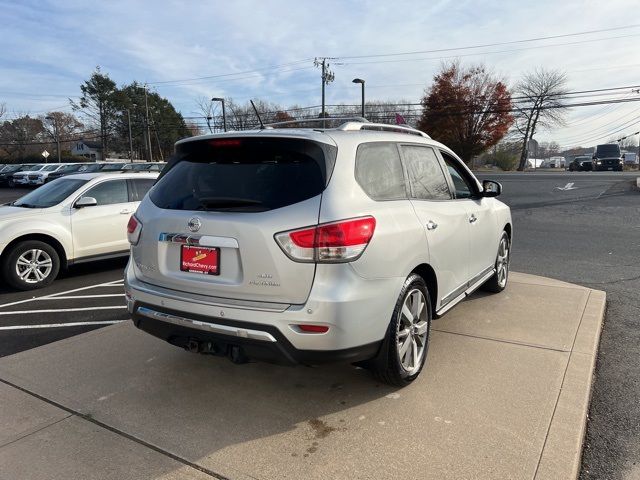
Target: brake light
341,241
134,228
231,142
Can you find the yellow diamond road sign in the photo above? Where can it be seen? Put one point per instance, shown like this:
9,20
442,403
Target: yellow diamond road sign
45,154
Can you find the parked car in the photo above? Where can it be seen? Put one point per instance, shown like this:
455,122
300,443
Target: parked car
21,177
62,172
608,157
41,177
6,176
143,167
307,246
581,164
112,166
70,220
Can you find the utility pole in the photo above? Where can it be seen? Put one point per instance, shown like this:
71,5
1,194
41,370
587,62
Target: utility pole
55,134
327,78
146,106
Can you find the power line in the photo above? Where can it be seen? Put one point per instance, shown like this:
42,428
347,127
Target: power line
470,47
488,52
209,77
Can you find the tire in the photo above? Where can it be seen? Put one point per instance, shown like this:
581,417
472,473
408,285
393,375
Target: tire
25,253
388,367
498,281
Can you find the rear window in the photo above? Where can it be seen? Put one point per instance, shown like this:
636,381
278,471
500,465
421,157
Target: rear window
611,150
379,171
244,174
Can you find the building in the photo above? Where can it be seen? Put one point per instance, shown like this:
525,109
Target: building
90,150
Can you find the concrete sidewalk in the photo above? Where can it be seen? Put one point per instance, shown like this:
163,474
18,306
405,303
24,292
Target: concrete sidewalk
504,395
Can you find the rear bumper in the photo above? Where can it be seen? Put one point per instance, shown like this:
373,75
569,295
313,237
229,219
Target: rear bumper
356,310
223,337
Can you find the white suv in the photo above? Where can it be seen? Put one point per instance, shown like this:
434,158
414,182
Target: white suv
314,245
73,219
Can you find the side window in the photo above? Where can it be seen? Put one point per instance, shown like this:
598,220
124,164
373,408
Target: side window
379,171
426,178
110,192
139,187
461,184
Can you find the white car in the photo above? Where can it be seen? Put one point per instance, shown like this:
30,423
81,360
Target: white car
40,177
22,177
74,219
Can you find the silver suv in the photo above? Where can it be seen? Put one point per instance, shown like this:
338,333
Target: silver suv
303,246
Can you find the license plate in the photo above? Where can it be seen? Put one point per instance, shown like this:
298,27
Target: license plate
610,168
203,260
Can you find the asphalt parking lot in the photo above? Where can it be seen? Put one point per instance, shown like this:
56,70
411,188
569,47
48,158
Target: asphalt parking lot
589,234
578,227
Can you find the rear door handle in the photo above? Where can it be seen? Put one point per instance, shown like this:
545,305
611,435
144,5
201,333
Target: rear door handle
431,225
473,218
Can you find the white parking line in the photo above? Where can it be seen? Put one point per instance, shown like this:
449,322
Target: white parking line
58,325
76,297
113,283
60,310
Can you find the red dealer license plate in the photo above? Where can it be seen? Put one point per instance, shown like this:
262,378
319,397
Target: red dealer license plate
200,260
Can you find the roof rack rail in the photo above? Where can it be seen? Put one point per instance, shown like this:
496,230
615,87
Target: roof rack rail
384,127
318,120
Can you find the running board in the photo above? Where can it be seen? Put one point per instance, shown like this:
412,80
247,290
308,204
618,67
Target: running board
452,303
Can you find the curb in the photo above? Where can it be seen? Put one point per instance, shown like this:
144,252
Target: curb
562,452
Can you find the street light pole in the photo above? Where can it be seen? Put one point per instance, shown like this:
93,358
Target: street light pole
224,114
146,105
361,82
55,134
130,137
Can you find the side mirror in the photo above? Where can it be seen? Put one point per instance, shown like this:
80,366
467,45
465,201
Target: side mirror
491,188
86,202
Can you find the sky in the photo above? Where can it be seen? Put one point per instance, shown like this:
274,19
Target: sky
252,49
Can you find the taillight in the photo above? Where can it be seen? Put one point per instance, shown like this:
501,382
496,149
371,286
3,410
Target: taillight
134,228
341,241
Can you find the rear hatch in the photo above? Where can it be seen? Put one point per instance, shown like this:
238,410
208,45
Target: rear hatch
227,197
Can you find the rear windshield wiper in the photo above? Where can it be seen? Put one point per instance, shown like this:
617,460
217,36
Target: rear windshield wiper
228,202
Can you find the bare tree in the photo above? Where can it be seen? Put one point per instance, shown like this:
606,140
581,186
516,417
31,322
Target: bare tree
205,106
62,127
3,109
539,96
21,136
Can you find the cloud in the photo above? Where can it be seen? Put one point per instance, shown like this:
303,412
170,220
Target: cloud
49,48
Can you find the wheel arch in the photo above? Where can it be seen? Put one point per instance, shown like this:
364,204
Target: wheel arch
428,274
507,228
48,239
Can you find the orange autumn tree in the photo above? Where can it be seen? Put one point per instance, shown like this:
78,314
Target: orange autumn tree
467,109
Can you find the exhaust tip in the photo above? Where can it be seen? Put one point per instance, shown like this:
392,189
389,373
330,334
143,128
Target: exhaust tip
193,346
236,355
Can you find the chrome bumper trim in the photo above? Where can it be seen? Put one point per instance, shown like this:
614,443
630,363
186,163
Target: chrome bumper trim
200,240
206,326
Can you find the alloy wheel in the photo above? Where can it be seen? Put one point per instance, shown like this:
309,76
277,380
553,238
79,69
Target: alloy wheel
502,264
413,329
34,265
